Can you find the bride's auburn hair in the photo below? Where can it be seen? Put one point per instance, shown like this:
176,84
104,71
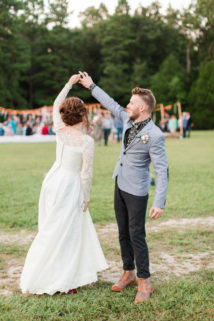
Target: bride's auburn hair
73,111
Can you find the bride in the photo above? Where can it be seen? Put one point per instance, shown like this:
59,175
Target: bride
66,252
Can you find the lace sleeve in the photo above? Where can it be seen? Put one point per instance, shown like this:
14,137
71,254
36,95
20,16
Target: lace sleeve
87,167
57,120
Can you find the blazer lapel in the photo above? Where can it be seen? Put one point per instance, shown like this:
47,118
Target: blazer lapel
143,131
127,126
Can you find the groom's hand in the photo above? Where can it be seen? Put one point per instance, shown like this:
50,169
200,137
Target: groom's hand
85,79
155,212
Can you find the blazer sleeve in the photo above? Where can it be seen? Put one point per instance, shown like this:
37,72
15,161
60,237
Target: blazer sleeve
109,103
159,161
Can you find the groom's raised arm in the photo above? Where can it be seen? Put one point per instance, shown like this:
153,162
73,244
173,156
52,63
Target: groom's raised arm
109,103
105,100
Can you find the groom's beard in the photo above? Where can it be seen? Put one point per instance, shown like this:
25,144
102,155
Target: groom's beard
134,116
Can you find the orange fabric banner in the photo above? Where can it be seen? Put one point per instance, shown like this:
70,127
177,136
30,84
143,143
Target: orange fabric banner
39,110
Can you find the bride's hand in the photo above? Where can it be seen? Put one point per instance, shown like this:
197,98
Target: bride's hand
74,79
85,206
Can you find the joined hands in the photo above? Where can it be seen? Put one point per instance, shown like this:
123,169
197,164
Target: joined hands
83,78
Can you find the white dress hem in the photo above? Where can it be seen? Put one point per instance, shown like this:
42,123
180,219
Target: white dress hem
89,279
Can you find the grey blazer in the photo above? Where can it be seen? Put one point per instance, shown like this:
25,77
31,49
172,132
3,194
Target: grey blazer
132,169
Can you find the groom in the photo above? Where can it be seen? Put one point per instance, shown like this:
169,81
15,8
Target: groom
143,143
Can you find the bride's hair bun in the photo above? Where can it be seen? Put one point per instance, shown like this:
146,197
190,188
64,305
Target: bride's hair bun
73,111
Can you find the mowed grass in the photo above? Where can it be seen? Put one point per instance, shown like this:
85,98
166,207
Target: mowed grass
190,193
185,298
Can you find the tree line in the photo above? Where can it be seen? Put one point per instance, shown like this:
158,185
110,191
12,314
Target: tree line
172,53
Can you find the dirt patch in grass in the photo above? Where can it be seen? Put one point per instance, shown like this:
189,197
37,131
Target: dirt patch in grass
168,265
165,258
10,275
205,223
165,262
22,237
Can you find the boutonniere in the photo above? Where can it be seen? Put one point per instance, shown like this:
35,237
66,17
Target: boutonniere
144,138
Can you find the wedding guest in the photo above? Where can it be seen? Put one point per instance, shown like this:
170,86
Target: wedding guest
161,125
189,123
24,129
119,126
185,123
173,124
107,127
50,130
180,123
29,130
98,133
166,122
19,129
1,129
8,130
37,129
12,123
30,120
45,130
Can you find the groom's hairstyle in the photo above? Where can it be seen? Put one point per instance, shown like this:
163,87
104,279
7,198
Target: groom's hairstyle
147,96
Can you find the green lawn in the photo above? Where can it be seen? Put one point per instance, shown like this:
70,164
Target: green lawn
182,299
190,194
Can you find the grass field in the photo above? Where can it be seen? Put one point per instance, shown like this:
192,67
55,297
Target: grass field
187,295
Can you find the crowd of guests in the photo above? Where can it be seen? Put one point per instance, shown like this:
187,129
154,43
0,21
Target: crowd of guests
170,124
104,126
25,126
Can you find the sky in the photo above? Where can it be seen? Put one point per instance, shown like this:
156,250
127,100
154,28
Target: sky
80,5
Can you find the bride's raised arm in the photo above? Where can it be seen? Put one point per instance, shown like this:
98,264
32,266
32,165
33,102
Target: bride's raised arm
57,120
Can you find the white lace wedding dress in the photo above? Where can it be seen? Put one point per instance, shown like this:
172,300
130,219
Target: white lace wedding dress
66,252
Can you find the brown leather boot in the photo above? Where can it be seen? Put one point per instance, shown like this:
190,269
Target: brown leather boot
128,278
144,290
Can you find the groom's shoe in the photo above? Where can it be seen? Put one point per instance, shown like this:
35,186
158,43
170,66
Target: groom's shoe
128,278
145,289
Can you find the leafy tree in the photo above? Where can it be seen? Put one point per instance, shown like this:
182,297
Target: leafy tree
58,12
122,8
11,58
168,84
38,52
91,15
141,76
205,13
201,98
117,51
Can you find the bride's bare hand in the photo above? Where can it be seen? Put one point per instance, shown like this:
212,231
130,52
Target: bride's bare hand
85,204
74,79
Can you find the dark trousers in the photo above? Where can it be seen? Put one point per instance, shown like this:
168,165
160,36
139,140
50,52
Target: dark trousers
130,213
107,132
119,134
188,130
184,131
